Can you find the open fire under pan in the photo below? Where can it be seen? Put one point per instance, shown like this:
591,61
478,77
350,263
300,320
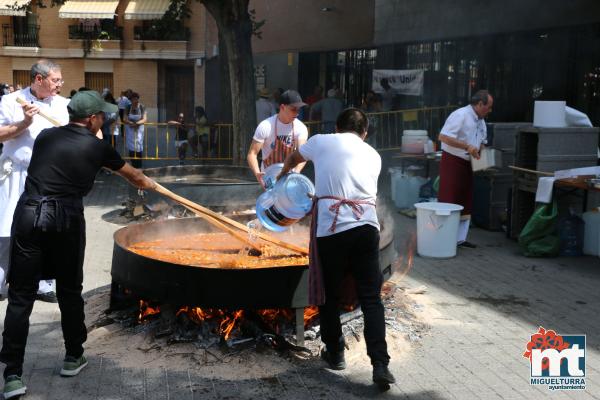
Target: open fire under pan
256,288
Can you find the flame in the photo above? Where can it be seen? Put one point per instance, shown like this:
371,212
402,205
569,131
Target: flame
146,310
401,268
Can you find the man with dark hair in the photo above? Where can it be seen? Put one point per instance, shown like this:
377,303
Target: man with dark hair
463,135
48,231
18,129
345,236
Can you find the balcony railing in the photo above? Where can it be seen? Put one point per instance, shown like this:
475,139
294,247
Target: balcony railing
153,33
20,36
86,33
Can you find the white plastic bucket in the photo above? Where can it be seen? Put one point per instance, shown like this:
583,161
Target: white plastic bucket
437,229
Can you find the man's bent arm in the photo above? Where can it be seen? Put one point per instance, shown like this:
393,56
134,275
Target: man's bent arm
291,161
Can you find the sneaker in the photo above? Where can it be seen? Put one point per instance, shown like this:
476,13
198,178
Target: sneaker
382,376
335,360
72,366
467,245
48,297
13,386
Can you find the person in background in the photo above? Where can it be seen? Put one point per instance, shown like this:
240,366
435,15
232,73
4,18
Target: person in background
135,117
315,96
72,93
264,107
19,126
51,242
329,109
200,138
11,88
109,120
276,97
463,136
123,102
387,96
278,136
181,137
18,87
345,236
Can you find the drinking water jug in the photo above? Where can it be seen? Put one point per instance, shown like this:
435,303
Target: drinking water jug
286,202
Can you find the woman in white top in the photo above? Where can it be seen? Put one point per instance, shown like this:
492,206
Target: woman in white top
135,117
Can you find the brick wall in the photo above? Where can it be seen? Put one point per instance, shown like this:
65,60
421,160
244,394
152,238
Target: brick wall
140,76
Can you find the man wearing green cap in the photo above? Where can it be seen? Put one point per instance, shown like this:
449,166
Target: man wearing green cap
48,231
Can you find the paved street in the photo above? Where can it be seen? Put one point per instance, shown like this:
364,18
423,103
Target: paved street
481,308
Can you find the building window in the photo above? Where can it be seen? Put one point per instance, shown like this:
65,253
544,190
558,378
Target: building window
99,81
21,77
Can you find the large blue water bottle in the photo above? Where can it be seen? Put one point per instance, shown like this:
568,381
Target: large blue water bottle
285,202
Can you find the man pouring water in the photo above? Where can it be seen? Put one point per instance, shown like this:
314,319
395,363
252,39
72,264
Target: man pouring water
277,137
345,236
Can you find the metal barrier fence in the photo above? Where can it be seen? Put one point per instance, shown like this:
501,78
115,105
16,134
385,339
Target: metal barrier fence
387,127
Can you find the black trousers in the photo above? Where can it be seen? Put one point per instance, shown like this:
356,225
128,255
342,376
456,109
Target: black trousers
355,251
36,254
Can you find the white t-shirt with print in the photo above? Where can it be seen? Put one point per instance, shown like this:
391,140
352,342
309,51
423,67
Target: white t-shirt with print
464,124
265,133
346,167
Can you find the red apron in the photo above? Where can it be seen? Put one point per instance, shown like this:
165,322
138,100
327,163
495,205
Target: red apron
280,149
456,182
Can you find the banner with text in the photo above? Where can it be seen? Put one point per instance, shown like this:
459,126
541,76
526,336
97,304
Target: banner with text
401,81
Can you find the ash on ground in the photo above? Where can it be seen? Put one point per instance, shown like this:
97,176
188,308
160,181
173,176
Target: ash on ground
177,341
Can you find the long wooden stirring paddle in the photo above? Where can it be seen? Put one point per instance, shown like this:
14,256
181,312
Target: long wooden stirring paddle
40,113
210,219
205,212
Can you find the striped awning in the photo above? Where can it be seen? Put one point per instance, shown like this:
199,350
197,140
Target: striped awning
89,9
7,7
146,9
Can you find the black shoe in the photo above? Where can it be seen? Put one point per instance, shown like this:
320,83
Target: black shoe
49,297
382,376
335,360
467,245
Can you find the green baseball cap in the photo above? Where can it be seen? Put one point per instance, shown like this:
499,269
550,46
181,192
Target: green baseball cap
83,104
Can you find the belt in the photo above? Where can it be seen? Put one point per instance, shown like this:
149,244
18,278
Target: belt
42,209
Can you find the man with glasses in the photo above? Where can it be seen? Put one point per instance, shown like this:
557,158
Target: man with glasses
18,129
277,137
48,232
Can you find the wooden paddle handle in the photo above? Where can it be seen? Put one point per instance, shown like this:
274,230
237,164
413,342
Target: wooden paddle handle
41,113
203,210
211,220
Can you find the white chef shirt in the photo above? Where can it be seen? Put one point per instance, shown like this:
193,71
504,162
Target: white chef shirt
346,167
464,124
19,148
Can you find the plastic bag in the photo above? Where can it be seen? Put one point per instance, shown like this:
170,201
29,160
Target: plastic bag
116,130
539,237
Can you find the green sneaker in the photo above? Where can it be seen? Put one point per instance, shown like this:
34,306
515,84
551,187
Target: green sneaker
13,386
72,366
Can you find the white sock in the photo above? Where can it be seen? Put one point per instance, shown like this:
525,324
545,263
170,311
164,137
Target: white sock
463,230
45,286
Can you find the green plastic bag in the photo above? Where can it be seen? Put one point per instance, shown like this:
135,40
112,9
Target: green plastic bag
539,237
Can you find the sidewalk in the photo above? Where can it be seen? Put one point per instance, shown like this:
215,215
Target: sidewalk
481,307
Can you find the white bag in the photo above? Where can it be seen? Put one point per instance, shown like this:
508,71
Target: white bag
117,130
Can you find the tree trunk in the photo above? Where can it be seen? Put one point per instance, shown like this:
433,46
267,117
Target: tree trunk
235,29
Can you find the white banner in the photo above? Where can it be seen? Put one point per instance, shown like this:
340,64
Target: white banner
402,81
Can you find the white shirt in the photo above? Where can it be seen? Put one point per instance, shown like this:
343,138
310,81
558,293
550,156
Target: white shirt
346,167
464,124
19,148
264,109
265,133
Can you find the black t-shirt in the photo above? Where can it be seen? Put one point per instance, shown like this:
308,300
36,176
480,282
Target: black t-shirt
65,162
181,132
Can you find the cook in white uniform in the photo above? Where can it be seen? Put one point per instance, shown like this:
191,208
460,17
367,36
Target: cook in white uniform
19,126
